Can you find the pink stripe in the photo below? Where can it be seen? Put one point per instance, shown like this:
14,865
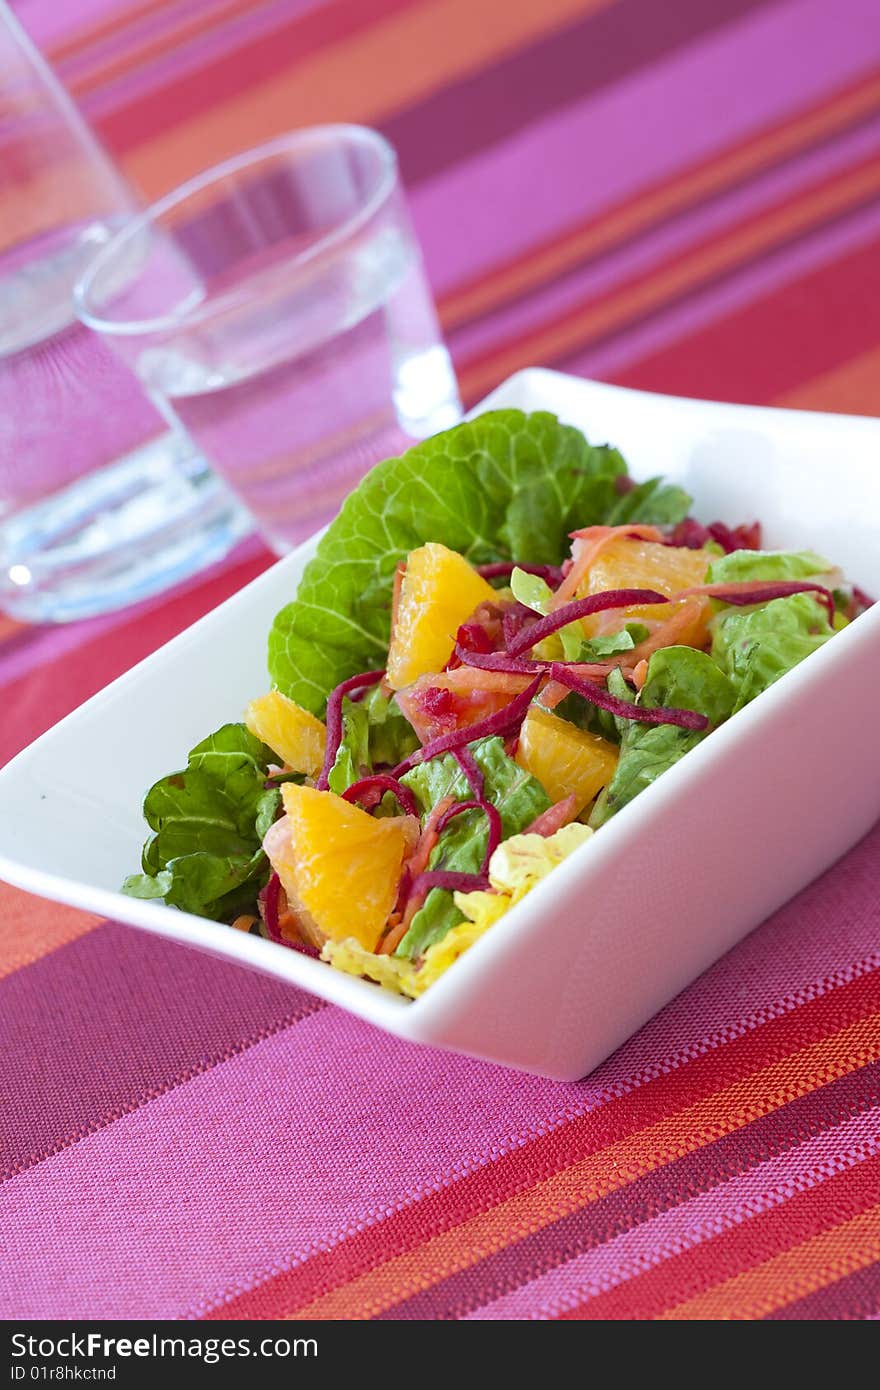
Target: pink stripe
152,75
731,294
748,1195
41,646
131,35
588,157
431,1119
217,1184
704,223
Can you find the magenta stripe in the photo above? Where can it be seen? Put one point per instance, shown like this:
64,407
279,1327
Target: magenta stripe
724,297
704,223
112,1019
237,1186
593,53
691,104
748,1195
856,1296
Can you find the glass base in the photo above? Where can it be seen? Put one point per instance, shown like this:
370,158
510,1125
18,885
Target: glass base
130,530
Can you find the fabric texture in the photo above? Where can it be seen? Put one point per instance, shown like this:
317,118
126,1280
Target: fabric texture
681,198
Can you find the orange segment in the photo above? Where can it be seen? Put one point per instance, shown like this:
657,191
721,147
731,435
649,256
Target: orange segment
340,867
440,591
293,734
642,564
565,759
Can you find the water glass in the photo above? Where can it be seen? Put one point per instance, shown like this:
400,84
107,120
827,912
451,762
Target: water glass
278,306
100,503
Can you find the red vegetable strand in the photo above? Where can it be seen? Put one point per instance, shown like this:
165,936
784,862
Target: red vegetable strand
269,896
492,815
581,608
450,880
597,695
334,719
373,788
747,591
503,722
552,574
468,764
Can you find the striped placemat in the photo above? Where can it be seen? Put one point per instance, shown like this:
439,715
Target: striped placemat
677,197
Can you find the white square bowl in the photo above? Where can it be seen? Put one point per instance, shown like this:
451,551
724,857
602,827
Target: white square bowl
680,875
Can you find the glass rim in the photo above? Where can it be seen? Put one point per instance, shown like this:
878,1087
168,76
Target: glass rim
207,309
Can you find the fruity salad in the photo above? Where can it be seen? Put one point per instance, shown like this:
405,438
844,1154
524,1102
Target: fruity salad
499,643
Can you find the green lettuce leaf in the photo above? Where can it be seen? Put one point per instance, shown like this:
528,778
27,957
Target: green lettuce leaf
205,854
519,798
758,645
503,486
353,758
677,676
743,565
654,502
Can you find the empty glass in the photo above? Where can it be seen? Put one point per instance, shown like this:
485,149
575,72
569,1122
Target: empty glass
278,305
99,504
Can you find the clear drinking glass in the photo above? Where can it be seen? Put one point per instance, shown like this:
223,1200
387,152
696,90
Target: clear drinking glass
278,304
99,503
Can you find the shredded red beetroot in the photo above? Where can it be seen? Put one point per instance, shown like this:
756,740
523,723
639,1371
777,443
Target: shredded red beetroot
581,608
500,661
762,591
468,764
269,897
552,574
554,818
504,721
861,601
334,719
597,695
693,535
515,618
450,880
370,790
493,817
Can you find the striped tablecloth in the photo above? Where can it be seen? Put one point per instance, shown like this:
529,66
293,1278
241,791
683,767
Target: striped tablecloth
681,197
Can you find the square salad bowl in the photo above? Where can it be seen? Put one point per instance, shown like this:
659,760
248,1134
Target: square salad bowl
669,884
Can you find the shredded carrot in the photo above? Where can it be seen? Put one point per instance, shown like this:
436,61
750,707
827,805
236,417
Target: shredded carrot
640,673
668,634
588,546
393,938
244,922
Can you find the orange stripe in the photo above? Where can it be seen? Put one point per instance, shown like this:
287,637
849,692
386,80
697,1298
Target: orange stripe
9,627
853,388
806,1268
32,927
659,201
433,45
673,278
602,1172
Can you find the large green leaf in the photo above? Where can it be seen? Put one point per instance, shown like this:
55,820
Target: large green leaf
503,486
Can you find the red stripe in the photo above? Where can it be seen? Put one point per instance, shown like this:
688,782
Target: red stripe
37,700
767,348
547,1154
856,1296
631,1206
183,98
706,1266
